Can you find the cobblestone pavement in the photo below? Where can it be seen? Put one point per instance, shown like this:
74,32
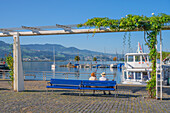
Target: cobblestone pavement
36,99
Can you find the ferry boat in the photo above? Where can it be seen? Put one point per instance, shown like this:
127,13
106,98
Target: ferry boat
137,68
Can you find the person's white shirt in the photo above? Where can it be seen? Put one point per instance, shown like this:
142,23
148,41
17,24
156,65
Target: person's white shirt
92,78
103,79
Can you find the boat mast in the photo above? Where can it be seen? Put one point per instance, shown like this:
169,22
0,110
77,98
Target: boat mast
54,54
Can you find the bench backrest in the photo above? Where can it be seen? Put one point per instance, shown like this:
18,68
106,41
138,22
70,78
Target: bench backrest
65,82
98,83
82,82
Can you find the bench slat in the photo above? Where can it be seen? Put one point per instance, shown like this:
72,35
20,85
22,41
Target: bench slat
107,89
65,82
63,87
98,83
104,82
86,84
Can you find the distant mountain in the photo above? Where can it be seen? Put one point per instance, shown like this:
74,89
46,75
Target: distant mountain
4,49
59,49
45,51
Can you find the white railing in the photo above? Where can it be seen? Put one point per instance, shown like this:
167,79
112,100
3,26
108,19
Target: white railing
47,75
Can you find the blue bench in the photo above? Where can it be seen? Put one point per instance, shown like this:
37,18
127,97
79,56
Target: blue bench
64,84
82,85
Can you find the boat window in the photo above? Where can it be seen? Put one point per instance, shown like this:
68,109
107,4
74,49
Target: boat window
144,57
130,75
138,75
145,76
137,58
130,58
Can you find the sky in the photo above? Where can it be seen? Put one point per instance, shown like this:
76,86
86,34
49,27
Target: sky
17,13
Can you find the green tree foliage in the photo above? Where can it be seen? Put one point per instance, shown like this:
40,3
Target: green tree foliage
9,61
94,59
151,25
164,55
77,58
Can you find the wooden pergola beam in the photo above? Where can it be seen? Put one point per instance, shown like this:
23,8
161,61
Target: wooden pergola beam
73,31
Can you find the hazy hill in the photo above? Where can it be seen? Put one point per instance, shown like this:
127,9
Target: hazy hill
45,51
59,49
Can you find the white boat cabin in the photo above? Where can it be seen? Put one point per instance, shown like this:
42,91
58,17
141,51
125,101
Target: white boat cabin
137,68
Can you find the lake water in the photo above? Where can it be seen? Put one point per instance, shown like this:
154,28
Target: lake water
42,70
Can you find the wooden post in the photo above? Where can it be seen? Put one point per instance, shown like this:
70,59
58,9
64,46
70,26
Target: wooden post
18,69
160,65
156,74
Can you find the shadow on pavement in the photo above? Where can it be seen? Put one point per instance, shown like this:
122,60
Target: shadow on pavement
135,89
49,91
102,95
165,98
4,89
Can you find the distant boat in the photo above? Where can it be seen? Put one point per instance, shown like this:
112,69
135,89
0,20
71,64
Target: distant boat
113,65
53,65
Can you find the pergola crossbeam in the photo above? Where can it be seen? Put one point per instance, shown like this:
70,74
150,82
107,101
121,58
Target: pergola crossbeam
56,30
66,28
6,31
33,29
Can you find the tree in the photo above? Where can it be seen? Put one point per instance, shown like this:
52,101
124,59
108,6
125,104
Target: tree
164,55
77,58
115,59
9,61
94,59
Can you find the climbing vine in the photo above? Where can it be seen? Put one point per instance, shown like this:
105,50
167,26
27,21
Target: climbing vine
151,25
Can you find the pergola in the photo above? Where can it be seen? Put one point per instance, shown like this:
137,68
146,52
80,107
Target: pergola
55,30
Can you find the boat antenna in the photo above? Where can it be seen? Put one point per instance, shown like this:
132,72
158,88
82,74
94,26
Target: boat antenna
105,59
54,54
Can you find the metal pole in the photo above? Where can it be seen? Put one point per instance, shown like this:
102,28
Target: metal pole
156,74
160,65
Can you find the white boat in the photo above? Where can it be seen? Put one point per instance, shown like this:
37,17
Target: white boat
137,68
113,65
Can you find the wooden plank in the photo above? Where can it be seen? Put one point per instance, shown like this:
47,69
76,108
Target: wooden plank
73,31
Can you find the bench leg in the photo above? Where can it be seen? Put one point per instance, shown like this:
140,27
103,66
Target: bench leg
46,91
93,92
80,92
115,93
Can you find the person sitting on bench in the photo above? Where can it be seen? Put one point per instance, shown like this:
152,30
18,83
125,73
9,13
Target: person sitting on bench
93,76
103,78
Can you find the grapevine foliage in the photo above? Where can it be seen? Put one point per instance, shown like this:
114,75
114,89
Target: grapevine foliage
151,25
